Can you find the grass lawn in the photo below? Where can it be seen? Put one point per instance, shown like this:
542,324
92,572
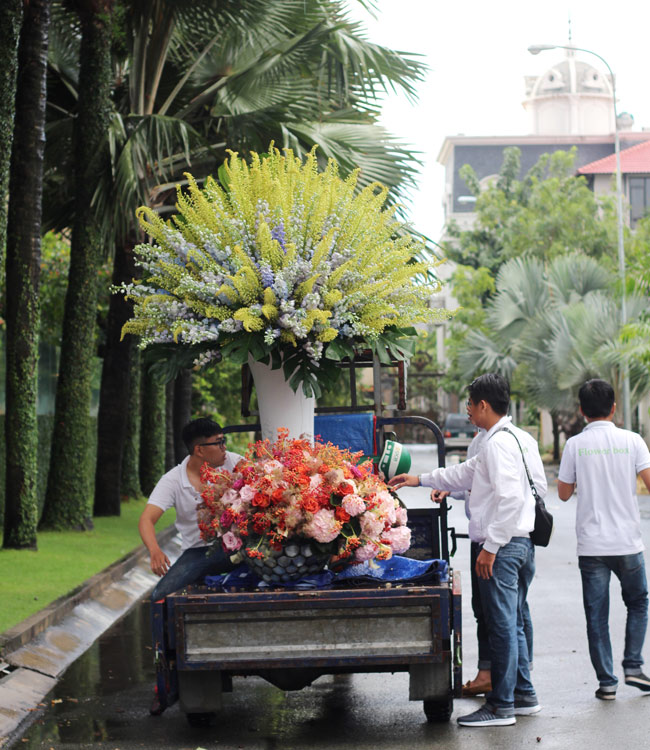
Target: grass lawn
30,580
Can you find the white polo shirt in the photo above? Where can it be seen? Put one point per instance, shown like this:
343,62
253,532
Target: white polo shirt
174,490
603,461
501,504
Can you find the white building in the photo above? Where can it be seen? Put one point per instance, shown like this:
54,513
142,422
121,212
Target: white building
570,104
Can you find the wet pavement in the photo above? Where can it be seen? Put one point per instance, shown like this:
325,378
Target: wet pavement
102,699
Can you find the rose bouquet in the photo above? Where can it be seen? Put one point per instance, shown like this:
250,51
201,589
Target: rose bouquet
293,489
283,262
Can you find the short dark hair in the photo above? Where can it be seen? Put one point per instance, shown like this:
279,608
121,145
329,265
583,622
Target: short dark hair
596,398
197,429
493,388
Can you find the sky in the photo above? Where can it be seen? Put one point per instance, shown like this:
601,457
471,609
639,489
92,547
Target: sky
477,53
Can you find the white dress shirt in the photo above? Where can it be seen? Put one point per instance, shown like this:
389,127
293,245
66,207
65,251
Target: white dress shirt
501,504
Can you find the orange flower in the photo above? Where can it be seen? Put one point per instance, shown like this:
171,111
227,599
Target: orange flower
341,515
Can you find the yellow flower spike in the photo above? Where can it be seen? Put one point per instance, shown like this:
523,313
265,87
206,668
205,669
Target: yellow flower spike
251,322
229,292
331,297
316,316
270,312
329,334
286,337
305,288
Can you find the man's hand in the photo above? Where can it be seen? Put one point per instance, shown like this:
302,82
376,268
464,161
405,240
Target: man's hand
159,562
437,496
404,480
484,563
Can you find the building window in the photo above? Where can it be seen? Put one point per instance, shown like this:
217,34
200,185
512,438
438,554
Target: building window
639,198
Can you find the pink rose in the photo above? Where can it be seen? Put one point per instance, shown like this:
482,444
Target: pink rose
353,504
386,506
371,526
401,516
229,497
315,481
323,527
230,542
367,552
247,493
400,539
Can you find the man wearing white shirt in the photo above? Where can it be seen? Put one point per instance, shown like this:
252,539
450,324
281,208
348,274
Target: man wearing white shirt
482,683
181,489
603,461
502,515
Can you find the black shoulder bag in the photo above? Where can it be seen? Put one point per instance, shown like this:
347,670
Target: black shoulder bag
541,534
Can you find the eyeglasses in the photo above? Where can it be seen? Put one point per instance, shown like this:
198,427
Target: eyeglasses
221,442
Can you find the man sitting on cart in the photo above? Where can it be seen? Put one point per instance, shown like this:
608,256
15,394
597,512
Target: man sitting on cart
181,488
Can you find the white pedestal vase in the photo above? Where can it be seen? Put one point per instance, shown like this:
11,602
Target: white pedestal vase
279,405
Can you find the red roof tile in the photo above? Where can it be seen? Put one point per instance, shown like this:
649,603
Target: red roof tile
634,159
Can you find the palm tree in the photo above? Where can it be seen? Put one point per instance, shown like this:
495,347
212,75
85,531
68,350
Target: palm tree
11,14
23,271
68,492
192,79
552,329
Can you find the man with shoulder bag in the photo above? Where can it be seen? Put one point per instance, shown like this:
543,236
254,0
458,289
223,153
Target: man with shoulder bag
502,516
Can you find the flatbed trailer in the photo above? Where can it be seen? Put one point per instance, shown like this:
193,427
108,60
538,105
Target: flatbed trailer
204,637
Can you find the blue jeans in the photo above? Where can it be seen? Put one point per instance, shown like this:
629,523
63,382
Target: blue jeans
191,567
596,573
504,600
482,637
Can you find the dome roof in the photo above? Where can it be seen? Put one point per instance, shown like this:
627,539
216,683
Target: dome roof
571,76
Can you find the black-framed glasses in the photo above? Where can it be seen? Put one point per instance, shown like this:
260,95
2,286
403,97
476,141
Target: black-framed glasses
221,442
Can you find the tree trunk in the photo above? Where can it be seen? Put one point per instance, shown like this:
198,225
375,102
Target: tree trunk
152,446
23,272
556,438
11,14
170,458
131,460
114,391
68,502
182,411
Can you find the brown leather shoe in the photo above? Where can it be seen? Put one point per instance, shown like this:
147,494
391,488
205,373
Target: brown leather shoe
471,689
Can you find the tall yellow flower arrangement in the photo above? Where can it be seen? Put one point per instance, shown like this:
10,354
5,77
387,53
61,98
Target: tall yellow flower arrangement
285,261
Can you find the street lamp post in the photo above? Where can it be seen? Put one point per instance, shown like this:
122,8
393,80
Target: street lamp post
535,49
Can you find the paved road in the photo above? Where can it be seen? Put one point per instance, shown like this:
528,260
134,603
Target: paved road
104,696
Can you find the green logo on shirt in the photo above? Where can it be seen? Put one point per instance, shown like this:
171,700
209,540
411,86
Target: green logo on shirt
602,451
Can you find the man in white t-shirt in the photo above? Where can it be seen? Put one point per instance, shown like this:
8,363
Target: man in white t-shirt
181,488
501,516
603,461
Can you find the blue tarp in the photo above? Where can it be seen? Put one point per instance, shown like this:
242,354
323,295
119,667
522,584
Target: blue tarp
396,570
353,431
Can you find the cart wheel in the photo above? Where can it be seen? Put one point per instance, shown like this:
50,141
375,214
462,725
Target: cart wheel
439,712
200,719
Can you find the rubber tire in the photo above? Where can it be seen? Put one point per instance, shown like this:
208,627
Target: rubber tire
439,711
200,719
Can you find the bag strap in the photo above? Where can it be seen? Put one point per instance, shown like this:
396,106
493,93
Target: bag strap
530,480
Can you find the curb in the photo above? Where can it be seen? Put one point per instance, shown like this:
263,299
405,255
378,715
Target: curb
37,651
25,631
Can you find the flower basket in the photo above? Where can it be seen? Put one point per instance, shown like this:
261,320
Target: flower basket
286,495
297,558
285,263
